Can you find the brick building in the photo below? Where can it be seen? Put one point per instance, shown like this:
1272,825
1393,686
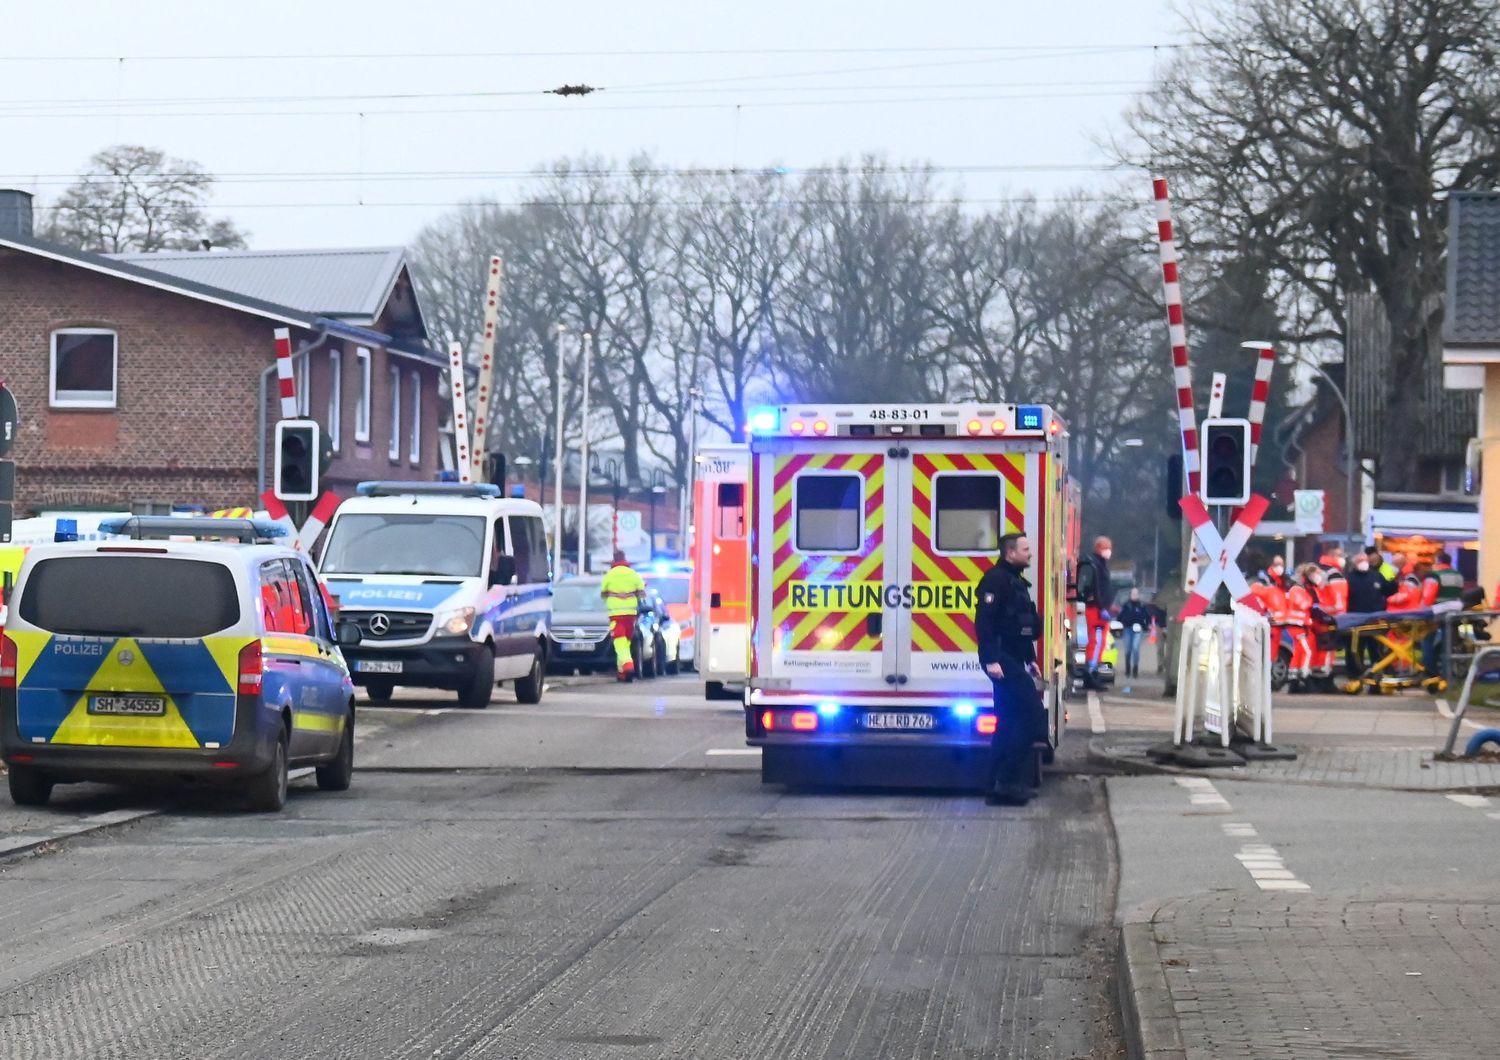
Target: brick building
148,380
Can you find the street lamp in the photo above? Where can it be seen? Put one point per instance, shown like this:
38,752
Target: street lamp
612,471
658,487
557,500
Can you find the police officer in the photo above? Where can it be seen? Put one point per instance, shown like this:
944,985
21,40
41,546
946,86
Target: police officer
1006,626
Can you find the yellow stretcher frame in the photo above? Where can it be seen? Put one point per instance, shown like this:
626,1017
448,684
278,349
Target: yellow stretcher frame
1402,665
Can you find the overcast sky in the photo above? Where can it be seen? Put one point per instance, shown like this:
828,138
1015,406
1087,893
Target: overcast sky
1011,96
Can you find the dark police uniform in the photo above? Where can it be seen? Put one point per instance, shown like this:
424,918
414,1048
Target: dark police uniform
1006,626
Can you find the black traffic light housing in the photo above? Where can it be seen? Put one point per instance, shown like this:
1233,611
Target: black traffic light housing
1174,486
1226,461
298,460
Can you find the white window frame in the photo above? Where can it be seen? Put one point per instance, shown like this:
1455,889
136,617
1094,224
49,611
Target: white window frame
841,472
300,375
335,397
110,402
414,443
394,372
932,537
362,402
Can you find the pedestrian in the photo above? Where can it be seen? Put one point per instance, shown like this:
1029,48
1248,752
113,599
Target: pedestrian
1369,590
1006,626
1135,618
1442,582
623,590
1098,595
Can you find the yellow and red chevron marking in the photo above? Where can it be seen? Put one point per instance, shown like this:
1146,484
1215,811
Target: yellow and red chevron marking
953,631
801,629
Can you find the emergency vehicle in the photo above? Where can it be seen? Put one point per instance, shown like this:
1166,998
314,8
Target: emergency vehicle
870,528
721,568
449,584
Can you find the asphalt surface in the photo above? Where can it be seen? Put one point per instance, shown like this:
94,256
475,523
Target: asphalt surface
602,875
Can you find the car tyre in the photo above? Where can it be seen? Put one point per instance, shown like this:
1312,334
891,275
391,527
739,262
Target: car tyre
479,686
714,690
529,688
29,787
267,791
380,691
338,774
662,666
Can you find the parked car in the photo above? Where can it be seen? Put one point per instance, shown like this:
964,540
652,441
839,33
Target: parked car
674,581
580,632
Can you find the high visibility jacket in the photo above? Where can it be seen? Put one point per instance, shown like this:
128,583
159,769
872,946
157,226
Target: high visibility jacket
1299,601
619,589
1335,596
1408,597
1442,583
1273,599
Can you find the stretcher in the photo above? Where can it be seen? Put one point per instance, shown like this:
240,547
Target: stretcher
1390,651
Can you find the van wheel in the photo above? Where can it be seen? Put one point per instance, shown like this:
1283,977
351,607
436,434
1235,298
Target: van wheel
338,774
28,787
714,690
479,687
529,688
266,793
380,690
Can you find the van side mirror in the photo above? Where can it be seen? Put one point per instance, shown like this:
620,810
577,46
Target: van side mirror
505,571
348,634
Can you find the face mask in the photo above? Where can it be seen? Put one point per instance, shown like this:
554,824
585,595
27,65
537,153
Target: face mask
1361,567
1106,553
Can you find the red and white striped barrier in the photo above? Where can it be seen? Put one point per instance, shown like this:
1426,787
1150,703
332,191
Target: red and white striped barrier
278,513
486,389
1222,552
1182,374
1261,393
285,381
317,519
461,459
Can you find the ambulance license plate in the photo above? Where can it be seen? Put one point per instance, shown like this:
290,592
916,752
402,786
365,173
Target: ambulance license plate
892,720
134,706
378,666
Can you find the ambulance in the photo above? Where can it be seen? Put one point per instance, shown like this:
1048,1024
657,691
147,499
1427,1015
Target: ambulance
721,568
870,526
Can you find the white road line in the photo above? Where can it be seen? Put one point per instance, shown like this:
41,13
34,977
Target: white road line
1267,868
724,752
1445,709
1203,794
1473,801
1096,714
1238,830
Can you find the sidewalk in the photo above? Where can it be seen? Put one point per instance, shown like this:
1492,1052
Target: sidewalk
1227,976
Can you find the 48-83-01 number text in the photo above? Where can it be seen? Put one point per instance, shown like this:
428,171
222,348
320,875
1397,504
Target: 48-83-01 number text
896,415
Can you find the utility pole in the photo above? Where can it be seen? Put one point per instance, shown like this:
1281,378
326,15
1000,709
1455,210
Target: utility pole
686,507
557,500
583,464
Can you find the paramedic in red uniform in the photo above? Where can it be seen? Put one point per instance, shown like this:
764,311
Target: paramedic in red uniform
1098,594
1006,627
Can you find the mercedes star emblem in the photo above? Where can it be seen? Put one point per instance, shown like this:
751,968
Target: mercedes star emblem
126,657
380,625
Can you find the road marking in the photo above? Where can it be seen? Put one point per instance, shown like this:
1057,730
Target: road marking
1202,793
1096,714
1238,830
719,752
1474,801
18,844
1267,868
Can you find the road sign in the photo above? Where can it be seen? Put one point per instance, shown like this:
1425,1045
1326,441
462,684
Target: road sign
8,419
1222,552
1308,510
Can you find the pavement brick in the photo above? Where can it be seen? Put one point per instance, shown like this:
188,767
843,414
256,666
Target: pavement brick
1254,976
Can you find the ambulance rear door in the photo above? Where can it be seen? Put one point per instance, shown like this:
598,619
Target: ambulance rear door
963,495
824,557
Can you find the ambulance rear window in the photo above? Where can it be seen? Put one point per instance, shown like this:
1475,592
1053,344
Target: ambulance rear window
130,596
967,510
828,513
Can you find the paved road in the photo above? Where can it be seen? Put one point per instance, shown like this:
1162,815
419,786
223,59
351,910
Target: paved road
581,879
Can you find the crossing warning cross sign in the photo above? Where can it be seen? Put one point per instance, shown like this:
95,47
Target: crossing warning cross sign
1222,551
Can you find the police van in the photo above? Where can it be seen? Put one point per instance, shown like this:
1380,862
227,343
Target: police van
173,655
449,584
870,527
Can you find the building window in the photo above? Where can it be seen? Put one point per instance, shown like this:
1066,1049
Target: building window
395,448
414,446
300,375
335,396
830,513
362,401
85,363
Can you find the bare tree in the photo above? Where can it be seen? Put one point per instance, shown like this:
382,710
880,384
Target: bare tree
1319,137
137,199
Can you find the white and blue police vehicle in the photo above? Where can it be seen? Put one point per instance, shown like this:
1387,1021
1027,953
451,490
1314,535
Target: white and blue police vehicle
450,585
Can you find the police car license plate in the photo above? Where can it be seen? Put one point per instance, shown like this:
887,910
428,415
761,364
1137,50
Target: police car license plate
892,720
378,666
139,706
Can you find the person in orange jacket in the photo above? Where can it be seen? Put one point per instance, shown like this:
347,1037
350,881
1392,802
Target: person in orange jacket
1408,595
1300,599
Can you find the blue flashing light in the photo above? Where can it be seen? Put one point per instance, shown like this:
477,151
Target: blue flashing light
663,568
828,710
1030,418
765,420
965,710
67,530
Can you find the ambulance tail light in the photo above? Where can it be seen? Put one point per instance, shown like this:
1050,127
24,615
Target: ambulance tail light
986,724
7,661
252,673
789,720
804,721
820,427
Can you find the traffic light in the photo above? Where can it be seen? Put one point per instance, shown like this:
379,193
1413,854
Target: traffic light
1226,461
298,456
1174,486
